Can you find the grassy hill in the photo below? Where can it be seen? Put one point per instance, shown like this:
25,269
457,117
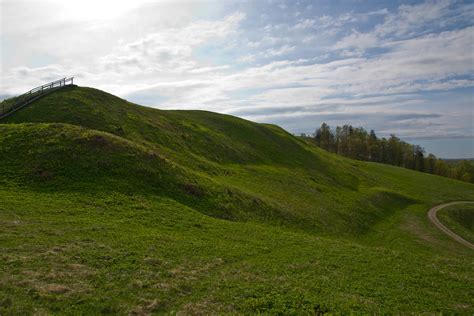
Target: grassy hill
111,207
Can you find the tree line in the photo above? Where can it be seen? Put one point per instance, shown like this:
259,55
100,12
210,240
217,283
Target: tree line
357,143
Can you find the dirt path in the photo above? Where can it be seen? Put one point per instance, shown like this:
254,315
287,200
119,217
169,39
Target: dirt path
432,216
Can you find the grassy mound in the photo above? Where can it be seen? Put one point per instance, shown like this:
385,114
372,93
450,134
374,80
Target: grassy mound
218,138
63,157
111,207
261,165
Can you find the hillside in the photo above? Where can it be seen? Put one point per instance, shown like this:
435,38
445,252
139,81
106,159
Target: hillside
201,212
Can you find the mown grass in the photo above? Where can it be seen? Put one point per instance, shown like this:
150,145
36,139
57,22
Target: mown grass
460,219
109,207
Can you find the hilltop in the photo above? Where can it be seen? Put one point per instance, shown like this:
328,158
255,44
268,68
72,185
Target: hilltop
204,212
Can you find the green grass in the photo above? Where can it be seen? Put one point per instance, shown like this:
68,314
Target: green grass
97,253
460,219
9,104
110,207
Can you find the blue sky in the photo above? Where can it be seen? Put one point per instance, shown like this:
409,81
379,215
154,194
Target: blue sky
403,67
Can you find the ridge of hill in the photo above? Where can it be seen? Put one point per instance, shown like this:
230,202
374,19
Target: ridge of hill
185,197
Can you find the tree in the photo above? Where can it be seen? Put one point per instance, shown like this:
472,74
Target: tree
442,168
324,137
464,170
356,143
394,151
419,158
373,144
338,140
430,163
327,138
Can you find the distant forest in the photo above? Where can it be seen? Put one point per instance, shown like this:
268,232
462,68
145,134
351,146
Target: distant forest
357,143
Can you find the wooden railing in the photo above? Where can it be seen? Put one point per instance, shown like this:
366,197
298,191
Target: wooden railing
12,105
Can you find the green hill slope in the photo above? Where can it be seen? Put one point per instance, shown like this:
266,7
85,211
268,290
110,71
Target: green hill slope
218,138
98,194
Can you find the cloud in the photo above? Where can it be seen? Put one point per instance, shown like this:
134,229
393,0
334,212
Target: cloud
357,40
170,49
409,21
166,55
446,60
414,116
304,24
379,68
409,18
209,69
283,50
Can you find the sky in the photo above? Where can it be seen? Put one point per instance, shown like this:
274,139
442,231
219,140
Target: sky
402,67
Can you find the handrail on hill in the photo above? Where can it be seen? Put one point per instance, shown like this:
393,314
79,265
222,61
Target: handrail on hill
53,84
21,101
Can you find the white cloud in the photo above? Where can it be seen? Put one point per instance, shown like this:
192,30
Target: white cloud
208,69
304,24
217,64
409,21
410,17
163,55
283,50
357,40
170,49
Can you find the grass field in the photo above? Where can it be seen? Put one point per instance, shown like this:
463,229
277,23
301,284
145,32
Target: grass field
110,207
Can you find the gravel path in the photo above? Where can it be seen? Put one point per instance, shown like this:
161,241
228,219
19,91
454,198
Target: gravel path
432,216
